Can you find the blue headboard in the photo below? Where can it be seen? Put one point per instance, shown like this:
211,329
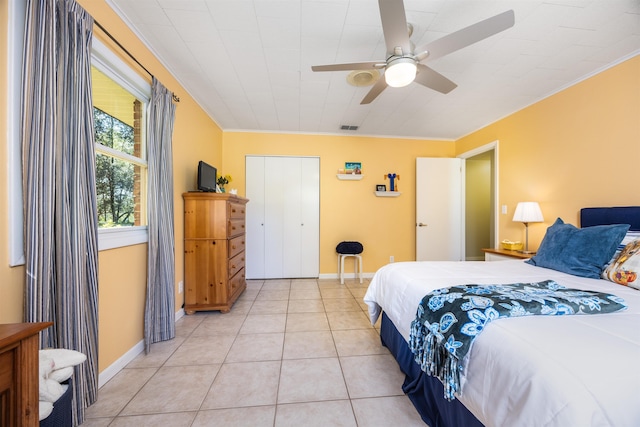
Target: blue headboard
616,215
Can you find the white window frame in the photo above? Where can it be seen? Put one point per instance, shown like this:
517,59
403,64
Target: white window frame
117,70
17,11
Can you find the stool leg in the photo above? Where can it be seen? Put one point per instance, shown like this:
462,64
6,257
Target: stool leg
342,257
360,269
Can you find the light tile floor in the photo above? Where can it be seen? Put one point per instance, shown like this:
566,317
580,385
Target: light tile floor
290,353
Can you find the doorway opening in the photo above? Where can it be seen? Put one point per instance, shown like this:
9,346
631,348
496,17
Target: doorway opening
480,200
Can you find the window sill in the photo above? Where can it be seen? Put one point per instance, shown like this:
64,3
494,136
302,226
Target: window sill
112,238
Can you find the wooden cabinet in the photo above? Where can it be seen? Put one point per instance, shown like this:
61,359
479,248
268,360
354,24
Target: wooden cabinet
19,373
214,250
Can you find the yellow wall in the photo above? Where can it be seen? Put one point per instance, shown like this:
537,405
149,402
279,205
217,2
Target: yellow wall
348,209
123,271
574,149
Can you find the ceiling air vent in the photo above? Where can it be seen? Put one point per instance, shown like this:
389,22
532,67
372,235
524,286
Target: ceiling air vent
348,127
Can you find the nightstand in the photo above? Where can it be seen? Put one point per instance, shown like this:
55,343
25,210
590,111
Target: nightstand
504,255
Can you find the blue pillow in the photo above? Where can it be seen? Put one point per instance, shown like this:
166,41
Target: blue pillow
578,251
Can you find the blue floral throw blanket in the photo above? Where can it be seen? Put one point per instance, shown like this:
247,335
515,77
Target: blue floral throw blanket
449,319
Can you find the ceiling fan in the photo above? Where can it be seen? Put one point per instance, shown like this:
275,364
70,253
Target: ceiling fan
404,63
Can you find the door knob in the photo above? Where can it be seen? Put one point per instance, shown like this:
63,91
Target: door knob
422,225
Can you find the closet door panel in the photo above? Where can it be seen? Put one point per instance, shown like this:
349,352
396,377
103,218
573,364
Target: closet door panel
292,252
255,250
274,196
310,217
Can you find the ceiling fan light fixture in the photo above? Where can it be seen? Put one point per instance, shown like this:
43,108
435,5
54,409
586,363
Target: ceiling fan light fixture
400,72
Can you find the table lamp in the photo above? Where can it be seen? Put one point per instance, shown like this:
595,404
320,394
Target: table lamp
527,212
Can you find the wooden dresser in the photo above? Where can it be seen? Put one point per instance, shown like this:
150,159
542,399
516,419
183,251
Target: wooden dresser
214,250
19,373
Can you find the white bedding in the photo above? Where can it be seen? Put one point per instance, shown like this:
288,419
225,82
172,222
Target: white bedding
581,370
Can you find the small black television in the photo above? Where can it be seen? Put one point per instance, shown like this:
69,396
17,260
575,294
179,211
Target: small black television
207,176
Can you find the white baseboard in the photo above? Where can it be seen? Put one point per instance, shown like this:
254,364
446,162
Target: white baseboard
119,364
126,358
346,276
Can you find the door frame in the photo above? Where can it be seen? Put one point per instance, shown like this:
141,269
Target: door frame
471,153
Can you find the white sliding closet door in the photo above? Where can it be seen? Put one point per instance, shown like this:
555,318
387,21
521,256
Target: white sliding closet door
310,216
275,190
283,225
254,236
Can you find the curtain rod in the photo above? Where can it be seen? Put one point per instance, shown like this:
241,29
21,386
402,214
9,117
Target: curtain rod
104,30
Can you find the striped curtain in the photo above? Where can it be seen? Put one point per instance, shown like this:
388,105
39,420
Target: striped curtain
61,227
159,318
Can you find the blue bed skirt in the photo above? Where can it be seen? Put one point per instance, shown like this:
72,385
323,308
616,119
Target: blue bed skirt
426,392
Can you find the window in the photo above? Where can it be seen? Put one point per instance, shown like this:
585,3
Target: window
121,166
120,99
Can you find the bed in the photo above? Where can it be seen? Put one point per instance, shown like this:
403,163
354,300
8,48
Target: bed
529,371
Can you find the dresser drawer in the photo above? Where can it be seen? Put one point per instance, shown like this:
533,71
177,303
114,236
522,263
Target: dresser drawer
235,227
237,210
236,283
236,264
236,245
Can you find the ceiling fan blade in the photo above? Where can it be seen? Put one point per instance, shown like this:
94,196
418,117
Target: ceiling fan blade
350,66
376,90
433,80
394,26
467,36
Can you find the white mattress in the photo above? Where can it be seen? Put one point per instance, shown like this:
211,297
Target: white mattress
581,370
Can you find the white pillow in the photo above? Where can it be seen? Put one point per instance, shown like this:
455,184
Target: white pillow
63,357
61,375
46,365
46,408
50,390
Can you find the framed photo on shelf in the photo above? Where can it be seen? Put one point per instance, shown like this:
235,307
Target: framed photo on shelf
353,167
381,187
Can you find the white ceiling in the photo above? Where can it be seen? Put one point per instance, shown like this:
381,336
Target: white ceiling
248,63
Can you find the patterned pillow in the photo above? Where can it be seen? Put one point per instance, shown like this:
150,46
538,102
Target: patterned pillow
628,238
626,268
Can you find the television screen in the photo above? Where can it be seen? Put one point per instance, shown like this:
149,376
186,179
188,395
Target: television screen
207,176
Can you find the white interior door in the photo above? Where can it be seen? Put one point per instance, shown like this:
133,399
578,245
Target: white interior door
439,208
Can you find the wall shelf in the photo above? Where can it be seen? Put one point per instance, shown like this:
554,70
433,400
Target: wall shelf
387,193
349,176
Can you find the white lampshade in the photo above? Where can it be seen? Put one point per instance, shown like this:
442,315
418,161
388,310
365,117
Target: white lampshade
528,212
400,72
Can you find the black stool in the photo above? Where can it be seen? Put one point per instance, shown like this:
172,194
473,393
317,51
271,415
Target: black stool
347,249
